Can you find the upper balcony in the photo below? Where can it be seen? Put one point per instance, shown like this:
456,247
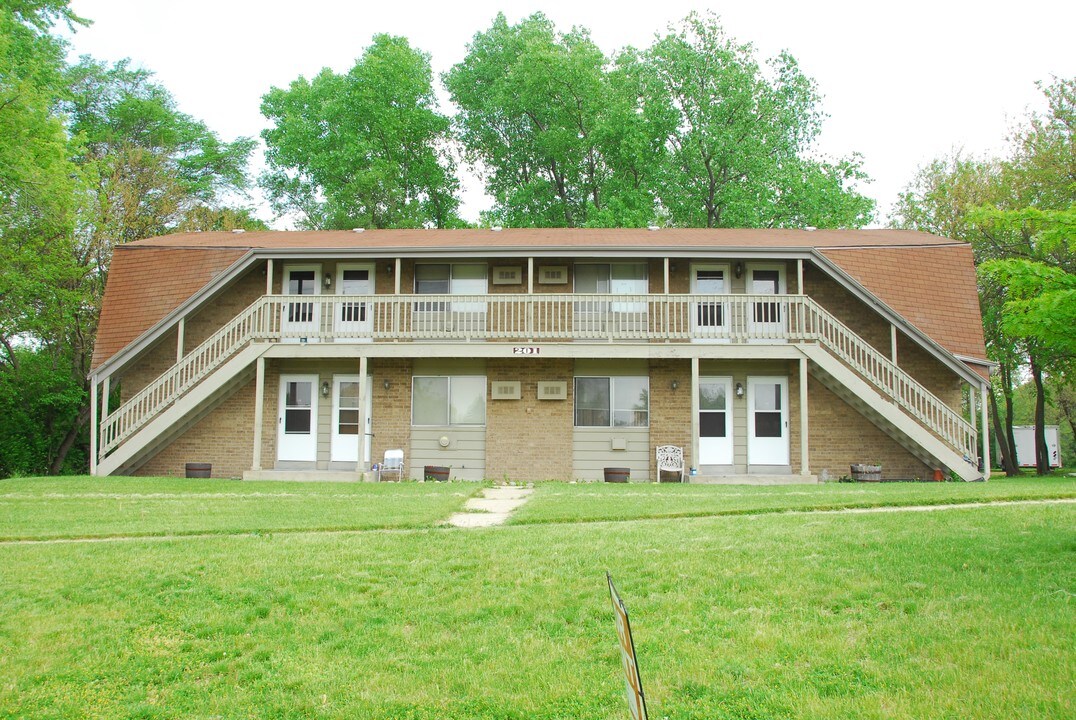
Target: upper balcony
533,318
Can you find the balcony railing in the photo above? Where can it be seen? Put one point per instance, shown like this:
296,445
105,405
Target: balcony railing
544,317
541,318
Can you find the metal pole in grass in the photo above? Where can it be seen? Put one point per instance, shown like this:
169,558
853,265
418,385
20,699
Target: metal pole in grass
633,684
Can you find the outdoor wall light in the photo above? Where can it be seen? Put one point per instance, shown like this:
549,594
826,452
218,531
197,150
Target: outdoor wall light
327,280
739,390
739,269
674,384
386,384
325,388
390,268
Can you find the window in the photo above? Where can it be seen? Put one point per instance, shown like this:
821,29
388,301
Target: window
445,279
454,279
615,278
449,400
612,402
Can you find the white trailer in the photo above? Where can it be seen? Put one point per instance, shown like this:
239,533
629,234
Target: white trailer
1025,445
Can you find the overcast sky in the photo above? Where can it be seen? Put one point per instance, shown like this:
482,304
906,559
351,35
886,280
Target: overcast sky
902,83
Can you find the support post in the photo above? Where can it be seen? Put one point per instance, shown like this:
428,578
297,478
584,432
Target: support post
396,281
530,276
666,275
985,432
694,414
269,276
181,332
799,277
259,413
93,425
805,455
364,389
893,342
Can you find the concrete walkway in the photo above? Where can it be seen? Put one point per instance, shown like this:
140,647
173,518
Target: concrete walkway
491,507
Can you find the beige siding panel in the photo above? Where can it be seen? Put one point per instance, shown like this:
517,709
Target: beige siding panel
592,452
465,454
602,367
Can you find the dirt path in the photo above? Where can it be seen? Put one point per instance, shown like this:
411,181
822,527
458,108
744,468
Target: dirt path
492,506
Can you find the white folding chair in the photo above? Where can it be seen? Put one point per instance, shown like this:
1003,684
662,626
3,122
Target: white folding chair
393,464
670,459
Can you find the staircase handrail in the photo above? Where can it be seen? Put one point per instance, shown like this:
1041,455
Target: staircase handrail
894,382
174,382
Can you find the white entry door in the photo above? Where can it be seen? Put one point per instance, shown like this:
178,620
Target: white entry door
298,436
300,316
709,318
346,433
767,421
715,421
354,319
767,319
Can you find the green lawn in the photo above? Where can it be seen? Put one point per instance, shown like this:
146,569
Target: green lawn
103,507
562,502
964,613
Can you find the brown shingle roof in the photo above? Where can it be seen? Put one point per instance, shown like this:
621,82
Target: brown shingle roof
147,283
547,238
933,288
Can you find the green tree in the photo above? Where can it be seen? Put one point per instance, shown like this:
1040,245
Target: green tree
739,139
363,149
553,133
691,132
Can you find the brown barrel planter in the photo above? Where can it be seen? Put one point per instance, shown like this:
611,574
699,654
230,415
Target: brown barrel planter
617,474
438,473
866,473
198,470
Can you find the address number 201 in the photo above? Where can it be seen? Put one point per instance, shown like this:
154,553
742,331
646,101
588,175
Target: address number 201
531,350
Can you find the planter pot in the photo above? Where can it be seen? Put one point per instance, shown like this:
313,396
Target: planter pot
438,473
617,474
866,473
198,470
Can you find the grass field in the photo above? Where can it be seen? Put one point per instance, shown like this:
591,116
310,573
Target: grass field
961,613
562,502
92,507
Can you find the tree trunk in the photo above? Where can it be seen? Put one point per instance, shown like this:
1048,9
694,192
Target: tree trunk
1006,389
69,440
1008,457
1042,455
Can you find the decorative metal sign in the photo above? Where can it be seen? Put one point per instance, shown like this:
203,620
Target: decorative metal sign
632,683
531,350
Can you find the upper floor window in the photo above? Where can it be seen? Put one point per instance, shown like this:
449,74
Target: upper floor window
614,278
450,279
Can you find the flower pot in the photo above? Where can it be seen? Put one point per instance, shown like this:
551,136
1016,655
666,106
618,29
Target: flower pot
198,470
617,474
438,473
866,473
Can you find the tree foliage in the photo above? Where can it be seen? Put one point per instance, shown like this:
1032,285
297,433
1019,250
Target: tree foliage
739,137
1018,213
91,155
363,149
691,132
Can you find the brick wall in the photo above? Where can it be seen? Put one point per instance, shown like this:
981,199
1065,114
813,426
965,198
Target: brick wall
840,436
392,407
529,439
670,410
147,367
224,437
847,308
